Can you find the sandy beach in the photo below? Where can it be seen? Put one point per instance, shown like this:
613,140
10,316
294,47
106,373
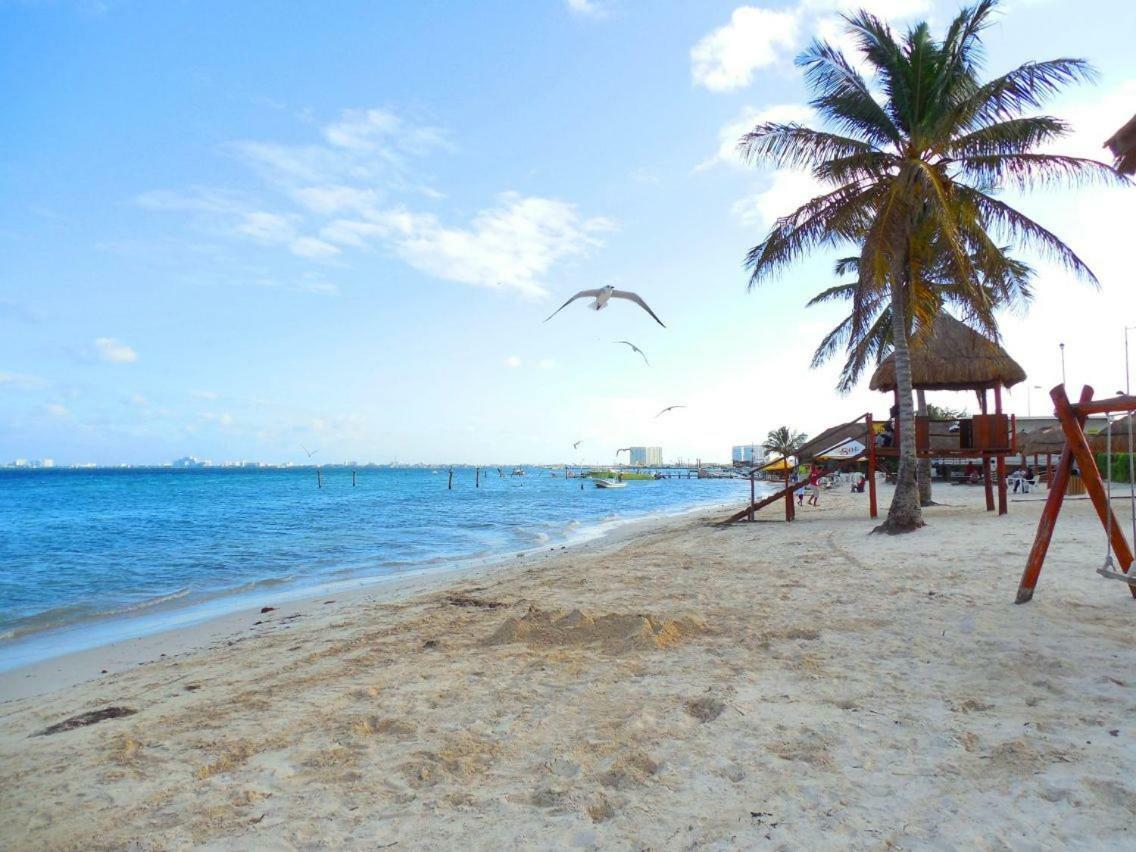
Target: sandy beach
681,685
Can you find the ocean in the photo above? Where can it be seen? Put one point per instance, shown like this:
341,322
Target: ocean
94,556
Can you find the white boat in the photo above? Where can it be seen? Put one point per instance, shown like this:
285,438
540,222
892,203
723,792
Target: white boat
609,483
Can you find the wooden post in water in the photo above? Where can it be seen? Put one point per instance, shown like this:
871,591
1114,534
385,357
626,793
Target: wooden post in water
477,478
450,484
352,478
319,481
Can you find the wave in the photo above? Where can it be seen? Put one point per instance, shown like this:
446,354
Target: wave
65,616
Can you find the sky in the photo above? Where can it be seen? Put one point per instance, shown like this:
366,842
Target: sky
236,230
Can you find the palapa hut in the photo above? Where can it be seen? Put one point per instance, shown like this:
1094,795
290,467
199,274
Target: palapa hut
1123,146
1120,430
954,357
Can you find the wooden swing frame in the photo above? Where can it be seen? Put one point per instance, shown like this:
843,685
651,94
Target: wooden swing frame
1072,418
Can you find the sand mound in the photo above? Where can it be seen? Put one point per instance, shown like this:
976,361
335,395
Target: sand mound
615,632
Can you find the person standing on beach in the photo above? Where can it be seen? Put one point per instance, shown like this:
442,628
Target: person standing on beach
814,485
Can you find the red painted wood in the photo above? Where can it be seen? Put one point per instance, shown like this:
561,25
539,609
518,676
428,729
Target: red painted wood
1058,482
871,442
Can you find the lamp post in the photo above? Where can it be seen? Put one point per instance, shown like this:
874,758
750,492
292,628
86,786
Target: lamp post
1127,380
1061,346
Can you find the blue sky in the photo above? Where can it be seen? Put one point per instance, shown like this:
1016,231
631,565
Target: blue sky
232,229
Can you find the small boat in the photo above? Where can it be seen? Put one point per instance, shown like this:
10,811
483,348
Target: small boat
518,471
610,483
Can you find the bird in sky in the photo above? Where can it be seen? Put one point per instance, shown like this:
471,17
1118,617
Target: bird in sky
668,408
309,452
635,348
622,450
576,445
602,296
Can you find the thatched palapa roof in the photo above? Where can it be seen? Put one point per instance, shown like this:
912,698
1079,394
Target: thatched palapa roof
1051,439
953,357
1042,441
1123,147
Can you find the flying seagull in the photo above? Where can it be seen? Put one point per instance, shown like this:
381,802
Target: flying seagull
602,296
668,408
634,348
576,445
309,452
622,450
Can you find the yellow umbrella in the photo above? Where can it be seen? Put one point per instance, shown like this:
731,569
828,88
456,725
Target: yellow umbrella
780,464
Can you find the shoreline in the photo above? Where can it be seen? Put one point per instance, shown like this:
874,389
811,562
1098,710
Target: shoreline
176,631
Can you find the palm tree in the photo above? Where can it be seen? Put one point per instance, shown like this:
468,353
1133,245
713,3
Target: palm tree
930,154
784,442
931,288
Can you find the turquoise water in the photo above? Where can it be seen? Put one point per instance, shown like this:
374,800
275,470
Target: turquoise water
90,556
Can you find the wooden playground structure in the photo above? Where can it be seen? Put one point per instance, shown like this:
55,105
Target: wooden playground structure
1077,456
952,357
985,438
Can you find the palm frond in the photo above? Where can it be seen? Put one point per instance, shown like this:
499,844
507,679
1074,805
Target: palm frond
1023,171
1015,225
843,97
796,146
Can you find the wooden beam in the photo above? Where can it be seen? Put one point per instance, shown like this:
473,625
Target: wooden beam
1058,482
1103,406
1000,460
871,442
1076,441
761,504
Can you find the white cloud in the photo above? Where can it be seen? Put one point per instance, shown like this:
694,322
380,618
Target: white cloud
20,381
787,191
114,351
757,38
733,130
512,361
362,129
754,38
339,192
221,419
887,9
265,227
509,246
380,130
200,200
311,247
327,200
56,409
587,8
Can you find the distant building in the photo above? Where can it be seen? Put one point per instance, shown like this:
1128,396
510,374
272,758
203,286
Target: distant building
747,454
47,463
189,462
646,456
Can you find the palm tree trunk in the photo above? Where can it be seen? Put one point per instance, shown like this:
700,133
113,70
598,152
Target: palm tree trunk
904,514
923,468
